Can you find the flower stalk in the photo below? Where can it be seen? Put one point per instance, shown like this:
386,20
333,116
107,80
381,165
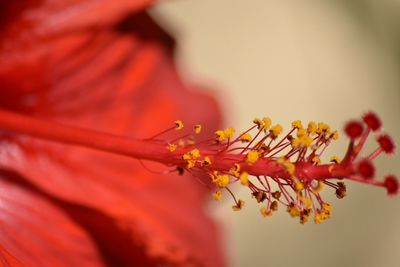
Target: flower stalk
285,170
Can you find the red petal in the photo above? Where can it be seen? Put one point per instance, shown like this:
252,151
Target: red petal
35,232
120,80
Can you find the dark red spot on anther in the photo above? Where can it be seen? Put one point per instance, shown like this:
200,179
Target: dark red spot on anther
386,143
366,169
341,190
353,129
392,185
372,121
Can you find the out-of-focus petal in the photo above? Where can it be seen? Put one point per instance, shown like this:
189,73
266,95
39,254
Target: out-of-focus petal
120,79
34,232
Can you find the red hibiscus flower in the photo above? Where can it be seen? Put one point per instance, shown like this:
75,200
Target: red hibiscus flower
103,65
99,74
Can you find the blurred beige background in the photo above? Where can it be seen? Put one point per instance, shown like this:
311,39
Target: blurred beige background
309,60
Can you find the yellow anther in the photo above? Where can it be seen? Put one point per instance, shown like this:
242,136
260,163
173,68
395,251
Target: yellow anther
297,124
258,122
266,123
265,213
252,157
312,127
239,205
206,161
281,160
326,207
235,170
298,185
192,154
304,216
195,153
301,132
220,135
228,132
244,178
335,159
290,167
245,138
171,147
217,195
305,141
307,202
318,218
323,127
197,128
295,143
178,125
222,180
276,130
274,205
316,160
190,163
293,210
335,135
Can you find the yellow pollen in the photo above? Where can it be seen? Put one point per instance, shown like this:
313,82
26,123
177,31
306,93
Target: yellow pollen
306,201
222,180
323,127
266,123
191,163
238,206
276,130
217,195
305,141
178,125
326,207
265,213
258,122
244,178
245,138
301,132
193,154
206,161
290,167
252,157
295,143
274,205
293,210
197,128
298,185
335,135
318,218
312,127
235,170
171,147
297,124
228,132
220,135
